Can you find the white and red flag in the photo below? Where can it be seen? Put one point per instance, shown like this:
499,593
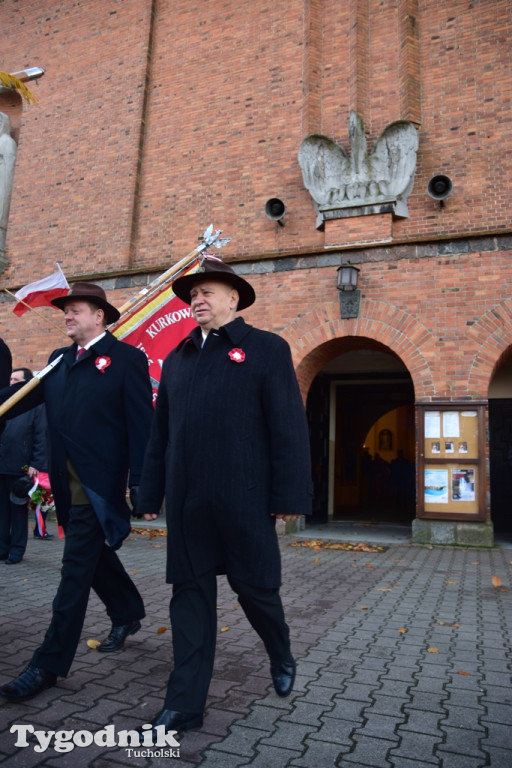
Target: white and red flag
158,326
41,293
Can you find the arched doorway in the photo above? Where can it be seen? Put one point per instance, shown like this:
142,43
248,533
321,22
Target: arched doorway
361,414
500,447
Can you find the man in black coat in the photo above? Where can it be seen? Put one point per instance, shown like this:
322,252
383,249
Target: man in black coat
5,364
229,450
98,402
22,444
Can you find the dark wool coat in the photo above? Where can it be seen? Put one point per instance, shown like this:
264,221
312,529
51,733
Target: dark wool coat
23,443
229,447
5,364
101,420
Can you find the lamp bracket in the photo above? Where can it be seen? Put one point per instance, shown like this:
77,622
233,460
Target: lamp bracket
349,304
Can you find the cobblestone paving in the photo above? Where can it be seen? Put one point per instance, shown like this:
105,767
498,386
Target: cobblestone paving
404,662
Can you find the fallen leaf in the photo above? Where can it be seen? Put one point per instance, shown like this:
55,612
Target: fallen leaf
161,630
364,607
316,561
403,631
383,589
224,629
318,545
467,674
496,581
92,643
134,571
433,650
152,532
450,582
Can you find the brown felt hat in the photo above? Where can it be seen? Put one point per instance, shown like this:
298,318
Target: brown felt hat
92,293
213,268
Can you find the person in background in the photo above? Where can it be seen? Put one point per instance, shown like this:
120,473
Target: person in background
22,444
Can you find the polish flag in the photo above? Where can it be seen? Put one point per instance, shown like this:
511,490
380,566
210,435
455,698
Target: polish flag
41,293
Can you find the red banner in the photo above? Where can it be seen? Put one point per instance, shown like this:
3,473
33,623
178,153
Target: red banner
157,327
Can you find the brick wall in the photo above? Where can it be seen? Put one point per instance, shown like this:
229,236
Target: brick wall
157,118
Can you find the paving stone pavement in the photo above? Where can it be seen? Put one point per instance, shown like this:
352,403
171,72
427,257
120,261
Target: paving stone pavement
404,661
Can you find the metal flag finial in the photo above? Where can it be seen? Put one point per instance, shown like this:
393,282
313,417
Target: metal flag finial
211,238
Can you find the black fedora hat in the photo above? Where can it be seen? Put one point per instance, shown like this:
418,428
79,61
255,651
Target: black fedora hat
213,268
92,293
20,489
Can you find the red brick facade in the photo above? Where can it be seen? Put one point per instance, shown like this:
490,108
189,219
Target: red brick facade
156,118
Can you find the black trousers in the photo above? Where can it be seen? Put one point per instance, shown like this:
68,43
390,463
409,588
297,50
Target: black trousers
87,562
193,612
13,522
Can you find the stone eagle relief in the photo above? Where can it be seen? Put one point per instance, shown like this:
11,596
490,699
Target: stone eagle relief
344,185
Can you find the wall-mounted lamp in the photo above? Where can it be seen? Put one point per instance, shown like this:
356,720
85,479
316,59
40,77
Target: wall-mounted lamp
349,295
347,277
275,209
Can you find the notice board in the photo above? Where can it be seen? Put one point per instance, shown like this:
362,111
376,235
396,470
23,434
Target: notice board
451,481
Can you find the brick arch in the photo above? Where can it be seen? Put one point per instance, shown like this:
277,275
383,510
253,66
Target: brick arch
492,335
311,338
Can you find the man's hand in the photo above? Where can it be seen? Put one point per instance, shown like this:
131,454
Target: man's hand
287,518
134,492
150,516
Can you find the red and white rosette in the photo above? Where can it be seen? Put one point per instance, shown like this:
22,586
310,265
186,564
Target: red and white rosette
237,355
102,363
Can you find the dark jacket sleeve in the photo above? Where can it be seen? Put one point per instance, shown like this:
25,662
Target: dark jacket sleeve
152,485
292,485
139,414
5,364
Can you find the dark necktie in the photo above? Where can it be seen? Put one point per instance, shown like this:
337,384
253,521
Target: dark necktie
80,352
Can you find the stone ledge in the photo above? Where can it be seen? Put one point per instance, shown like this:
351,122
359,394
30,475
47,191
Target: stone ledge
452,532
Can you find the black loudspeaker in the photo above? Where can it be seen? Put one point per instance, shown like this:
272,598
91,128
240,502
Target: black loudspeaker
439,187
275,209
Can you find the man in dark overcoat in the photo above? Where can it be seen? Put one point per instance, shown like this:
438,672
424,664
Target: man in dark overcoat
5,364
22,456
229,450
98,402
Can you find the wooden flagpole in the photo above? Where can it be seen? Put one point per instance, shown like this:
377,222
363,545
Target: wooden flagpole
159,281
28,387
209,238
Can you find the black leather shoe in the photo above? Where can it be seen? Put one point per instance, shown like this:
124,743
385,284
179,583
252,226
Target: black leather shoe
117,636
13,560
283,677
32,681
177,721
